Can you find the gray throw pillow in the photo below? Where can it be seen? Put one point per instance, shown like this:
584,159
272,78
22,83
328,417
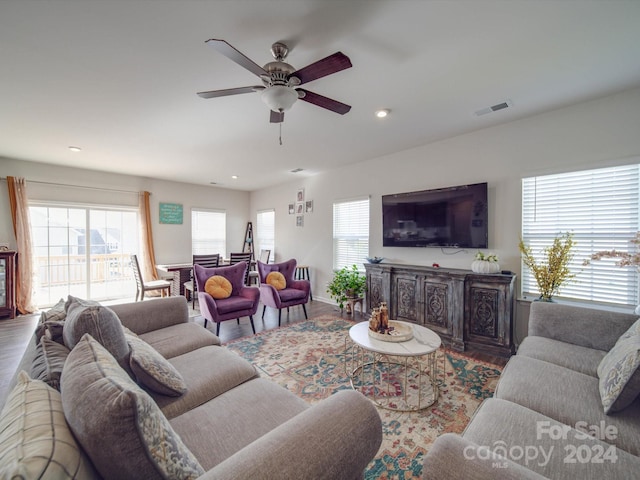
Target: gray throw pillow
49,361
117,423
153,370
619,373
102,323
54,317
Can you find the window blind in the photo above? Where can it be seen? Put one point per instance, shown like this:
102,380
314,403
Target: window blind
208,232
600,207
266,231
350,233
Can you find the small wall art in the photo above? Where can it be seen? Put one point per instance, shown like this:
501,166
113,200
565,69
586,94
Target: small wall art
292,208
308,208
171,213
299,208
299,221
300,196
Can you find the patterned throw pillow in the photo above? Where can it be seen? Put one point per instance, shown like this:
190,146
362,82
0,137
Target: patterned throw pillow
35,440
49,361
51,323
619,373
218,287
119,426
153,370
277,280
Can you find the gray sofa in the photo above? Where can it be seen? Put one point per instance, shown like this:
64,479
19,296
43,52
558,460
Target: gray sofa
547,407
217,419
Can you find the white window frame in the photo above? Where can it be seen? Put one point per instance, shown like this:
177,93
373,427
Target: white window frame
351,232
601,208
208,238
266,232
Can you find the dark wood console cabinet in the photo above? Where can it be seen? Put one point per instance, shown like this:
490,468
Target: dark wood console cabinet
468,310
7,284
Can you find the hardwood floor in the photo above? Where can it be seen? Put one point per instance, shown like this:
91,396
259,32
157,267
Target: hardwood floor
16,333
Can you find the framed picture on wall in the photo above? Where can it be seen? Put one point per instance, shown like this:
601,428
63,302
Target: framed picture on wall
299,221
299,208
292,208
308,208
300,196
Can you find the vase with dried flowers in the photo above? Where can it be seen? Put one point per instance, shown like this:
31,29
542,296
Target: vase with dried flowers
553,271
625,259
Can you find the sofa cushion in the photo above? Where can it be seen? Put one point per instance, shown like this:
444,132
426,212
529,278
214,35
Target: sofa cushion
568,397
619,374
218,287
276,280
51,322
127,436
207,372
238,416
86,316
35,440
178,339
289,294
519,427
578,358
154,371
49,362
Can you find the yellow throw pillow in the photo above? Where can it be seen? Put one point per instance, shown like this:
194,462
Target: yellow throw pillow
277,280
218,287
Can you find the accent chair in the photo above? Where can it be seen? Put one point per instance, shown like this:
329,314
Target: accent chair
295,292
242,302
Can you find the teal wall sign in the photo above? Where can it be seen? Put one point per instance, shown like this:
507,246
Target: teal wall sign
171,213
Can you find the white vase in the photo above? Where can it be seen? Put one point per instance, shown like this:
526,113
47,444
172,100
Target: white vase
483,266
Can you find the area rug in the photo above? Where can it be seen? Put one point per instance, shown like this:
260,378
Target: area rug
307,358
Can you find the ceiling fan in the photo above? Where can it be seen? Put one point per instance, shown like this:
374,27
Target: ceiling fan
279,79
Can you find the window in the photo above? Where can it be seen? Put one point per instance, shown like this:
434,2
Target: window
350,233
600,207
81,251
208,232
265,235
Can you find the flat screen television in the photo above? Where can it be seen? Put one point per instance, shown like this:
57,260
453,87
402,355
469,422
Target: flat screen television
444,217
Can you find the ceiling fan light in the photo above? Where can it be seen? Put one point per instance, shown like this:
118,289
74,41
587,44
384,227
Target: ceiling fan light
279,98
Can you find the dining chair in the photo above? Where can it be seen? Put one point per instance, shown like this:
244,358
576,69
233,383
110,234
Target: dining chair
291,292
235,258
209,261
142,287
253,274
242,301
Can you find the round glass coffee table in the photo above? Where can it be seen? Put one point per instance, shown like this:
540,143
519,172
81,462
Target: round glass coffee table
394,375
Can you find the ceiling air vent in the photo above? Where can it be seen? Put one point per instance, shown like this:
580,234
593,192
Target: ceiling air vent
495,108
297,170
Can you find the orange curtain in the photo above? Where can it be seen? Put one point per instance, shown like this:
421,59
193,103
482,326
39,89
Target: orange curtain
19,204
147,254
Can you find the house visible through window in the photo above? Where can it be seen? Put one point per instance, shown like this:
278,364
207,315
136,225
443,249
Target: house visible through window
601,208
265,234
208,232
82,251
350,233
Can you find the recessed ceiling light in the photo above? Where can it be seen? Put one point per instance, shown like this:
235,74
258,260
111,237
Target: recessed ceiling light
75,149
382,113
235,177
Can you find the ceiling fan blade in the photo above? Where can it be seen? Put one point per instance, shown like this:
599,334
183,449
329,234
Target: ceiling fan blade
277,117
229,91
331,64
230,52
324,102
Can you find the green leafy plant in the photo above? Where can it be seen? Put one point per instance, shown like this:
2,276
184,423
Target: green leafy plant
553,271
487,257
347,283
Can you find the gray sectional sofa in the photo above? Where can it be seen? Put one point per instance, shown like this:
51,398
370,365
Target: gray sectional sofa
547,417
162,398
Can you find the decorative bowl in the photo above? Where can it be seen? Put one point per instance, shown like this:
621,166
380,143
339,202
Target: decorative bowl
375,259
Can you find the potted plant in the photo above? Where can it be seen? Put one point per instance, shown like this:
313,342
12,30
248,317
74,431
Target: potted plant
553,271
347,283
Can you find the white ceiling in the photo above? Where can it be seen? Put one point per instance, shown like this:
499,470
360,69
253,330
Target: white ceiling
119,78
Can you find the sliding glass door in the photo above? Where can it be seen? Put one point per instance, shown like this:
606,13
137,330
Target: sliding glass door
83,251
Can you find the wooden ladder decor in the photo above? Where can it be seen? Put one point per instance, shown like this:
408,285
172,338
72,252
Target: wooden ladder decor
248,241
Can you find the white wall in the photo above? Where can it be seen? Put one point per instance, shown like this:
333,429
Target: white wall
172,242
603,132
